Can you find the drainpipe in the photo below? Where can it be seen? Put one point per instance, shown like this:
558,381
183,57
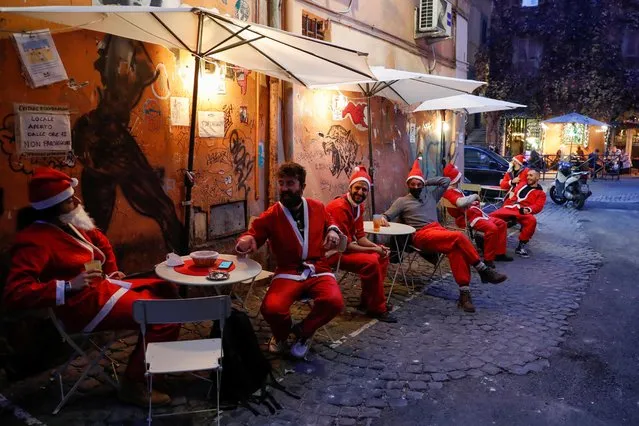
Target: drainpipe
275,113
288,128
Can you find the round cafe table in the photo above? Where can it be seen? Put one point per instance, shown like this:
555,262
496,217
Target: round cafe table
245,272
394,230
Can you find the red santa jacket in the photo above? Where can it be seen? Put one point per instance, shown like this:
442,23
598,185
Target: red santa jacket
348,218
525,195
506,183
474,213
298,255
44,256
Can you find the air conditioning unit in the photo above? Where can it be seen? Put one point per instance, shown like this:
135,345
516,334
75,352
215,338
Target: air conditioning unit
434,19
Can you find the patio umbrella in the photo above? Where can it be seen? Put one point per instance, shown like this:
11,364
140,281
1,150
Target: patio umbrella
574,118
407,88
207,34
468,103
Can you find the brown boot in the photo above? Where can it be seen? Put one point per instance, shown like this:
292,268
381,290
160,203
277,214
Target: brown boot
465,302
490,275
136,393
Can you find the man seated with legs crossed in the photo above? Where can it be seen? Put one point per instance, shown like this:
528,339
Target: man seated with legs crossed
48,270
419,210
495,230
362,256
524,202
299,231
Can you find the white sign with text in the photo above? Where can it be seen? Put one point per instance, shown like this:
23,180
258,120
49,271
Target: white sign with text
43,128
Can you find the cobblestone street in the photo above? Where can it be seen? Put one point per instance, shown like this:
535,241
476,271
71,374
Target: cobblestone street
518,326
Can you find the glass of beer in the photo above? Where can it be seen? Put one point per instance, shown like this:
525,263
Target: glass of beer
377,222
94,265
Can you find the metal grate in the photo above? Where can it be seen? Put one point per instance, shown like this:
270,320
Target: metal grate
426,14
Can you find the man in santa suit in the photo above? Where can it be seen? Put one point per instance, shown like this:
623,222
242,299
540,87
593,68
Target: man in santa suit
47,270
516,173
362,256
419,210
525,201
495,230
299,231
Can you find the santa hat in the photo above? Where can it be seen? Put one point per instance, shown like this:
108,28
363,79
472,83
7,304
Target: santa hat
416,171
451,172
360,175
519,159
49,187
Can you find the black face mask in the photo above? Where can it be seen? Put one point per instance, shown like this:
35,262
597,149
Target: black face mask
290,200
415,192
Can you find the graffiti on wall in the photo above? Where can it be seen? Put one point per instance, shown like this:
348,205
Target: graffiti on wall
243,163
109,152
20,163
228,117
341,146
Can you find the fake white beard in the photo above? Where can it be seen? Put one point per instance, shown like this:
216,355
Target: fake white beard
79,218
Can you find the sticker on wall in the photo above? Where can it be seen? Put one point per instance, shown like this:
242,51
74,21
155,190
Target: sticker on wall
358,115
241,77
43,129
179,111
40,60
338,103
412,133
242,10
243,114
210,124
260,154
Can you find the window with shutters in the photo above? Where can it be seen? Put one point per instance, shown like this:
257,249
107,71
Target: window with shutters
527,54
314,27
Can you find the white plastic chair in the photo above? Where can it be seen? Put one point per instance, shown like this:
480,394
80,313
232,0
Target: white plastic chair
184,356
85,338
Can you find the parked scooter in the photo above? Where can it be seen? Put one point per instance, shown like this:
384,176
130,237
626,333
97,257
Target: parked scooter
570,185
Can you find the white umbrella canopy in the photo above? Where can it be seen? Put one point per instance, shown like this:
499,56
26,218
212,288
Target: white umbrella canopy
408,87
469,103
256,47
575,118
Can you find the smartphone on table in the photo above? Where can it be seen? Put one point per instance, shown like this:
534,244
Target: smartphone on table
226,264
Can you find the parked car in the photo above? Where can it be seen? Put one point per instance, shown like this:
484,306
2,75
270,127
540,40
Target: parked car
482,166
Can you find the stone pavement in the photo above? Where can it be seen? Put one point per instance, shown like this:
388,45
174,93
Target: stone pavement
517,327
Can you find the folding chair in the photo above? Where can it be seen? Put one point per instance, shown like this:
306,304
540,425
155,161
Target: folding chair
184,356
79,352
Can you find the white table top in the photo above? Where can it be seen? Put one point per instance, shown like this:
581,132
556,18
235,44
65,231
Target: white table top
394,229
245,269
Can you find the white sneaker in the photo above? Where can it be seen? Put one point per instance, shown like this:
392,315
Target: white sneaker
300,348
276,347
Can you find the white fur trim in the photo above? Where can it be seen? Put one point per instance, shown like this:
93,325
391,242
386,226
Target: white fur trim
454,181
465,288
59,292
106,310
360,179
415,177
56,199
74,182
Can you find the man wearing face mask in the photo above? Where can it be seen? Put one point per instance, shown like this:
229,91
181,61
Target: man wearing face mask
48,269
362,256
299,231
419,210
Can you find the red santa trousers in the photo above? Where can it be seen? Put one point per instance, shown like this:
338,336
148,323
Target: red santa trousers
528,222
276,306
495,232
121,318
454,244
372,269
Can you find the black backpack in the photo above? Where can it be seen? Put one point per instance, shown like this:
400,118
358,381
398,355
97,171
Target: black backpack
246,372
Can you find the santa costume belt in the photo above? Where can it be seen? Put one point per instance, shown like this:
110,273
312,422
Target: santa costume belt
308,272
108,306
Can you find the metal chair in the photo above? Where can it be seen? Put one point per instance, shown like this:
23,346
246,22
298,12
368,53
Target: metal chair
184,356
85,338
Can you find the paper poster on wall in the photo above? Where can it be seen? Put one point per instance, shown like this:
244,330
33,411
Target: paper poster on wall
412,133
179,111
41,63
42,128
210,124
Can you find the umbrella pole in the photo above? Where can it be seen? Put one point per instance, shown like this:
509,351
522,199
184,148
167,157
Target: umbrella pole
370,152
189,178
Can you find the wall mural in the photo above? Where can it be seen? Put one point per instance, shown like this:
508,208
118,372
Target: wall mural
341,146
243,163
357,114
105,146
